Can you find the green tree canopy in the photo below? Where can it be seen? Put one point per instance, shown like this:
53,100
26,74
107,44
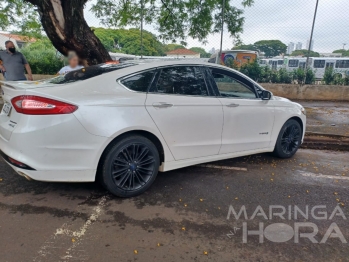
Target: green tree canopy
128,41
173,46
342,51
245,47
65,25
304,53
201,51
270,47
43,57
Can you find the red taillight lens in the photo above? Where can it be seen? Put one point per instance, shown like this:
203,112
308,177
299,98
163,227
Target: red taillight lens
16,163
36,105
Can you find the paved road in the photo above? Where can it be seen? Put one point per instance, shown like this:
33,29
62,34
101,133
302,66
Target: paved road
183,217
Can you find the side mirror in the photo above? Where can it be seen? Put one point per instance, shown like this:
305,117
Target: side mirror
266,95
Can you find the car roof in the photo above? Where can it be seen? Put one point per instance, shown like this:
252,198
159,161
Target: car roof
149,64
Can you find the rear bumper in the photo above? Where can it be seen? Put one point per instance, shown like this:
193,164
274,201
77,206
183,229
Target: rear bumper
57,176
56,148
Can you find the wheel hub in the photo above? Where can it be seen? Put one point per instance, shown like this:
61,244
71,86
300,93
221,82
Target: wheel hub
133,167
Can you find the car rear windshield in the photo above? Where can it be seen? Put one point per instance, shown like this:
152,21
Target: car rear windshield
87,73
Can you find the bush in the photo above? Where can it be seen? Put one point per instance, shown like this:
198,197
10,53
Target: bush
333,78
43,57
346,80
274,77
299,75
284,76
304,76
309,77
252,70
328,76
338,79
265,75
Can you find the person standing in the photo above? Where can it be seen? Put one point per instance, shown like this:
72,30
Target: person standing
13,64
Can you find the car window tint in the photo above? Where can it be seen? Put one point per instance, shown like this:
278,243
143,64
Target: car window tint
139,82
181,80
230,87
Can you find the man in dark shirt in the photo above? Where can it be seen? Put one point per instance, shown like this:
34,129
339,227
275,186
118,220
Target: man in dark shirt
13,64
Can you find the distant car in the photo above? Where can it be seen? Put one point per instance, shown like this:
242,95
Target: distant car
122,123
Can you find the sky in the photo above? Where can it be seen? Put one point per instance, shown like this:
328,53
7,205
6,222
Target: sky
285,20
288,21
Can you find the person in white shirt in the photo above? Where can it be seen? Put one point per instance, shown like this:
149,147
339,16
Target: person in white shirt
73,61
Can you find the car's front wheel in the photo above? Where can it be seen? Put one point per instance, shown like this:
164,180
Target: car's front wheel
130,166
289,139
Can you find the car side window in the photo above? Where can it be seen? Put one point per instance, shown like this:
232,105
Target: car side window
230,87
139,82
181,80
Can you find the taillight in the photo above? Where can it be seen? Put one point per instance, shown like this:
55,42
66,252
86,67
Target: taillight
36,105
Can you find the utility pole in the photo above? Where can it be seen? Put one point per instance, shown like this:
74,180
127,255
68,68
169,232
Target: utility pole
344,44
311,35
142,7
220,49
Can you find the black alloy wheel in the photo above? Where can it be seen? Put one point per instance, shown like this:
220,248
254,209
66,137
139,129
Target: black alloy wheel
133,166
289,139
130,166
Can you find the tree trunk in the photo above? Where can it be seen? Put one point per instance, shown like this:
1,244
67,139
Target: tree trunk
65,25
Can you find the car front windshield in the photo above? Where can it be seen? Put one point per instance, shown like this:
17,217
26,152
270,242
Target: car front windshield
86,73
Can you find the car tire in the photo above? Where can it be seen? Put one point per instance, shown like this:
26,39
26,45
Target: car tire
129,166
289,139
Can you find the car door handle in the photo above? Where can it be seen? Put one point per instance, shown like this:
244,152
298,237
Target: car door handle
162,105
233,105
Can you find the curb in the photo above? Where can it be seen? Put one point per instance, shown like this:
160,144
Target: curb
326,142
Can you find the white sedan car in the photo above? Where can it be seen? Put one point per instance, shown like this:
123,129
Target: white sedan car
125,122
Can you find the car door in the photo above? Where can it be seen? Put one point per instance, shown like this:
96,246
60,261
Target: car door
188,115
248,120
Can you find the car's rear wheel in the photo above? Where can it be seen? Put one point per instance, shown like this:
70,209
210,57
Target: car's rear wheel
130,166
289,139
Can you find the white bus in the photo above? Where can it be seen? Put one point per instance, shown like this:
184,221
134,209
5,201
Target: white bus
292,63
319,65
264,62
276,63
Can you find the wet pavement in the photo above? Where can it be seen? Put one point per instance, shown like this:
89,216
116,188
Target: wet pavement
327,117
183,217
